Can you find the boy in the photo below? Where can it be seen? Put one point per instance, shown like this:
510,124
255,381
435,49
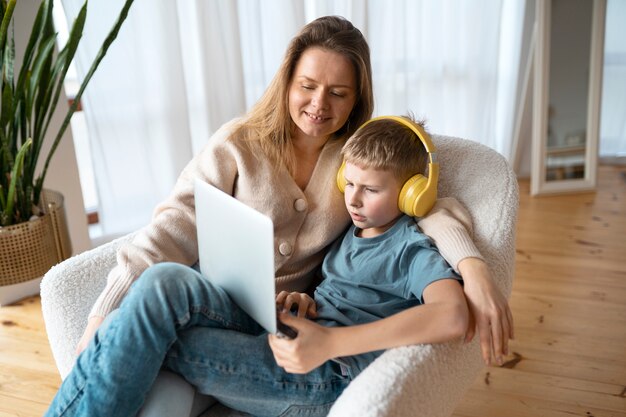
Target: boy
372,272
376,279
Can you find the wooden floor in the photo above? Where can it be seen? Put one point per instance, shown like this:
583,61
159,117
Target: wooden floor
569,304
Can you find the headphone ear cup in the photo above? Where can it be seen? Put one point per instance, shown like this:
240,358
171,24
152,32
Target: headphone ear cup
341,180
412,190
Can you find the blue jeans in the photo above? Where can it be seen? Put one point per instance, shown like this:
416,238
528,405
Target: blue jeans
173,317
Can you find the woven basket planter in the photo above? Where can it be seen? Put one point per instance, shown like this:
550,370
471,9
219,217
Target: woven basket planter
29,249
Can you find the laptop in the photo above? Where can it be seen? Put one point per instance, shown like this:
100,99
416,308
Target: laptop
236,248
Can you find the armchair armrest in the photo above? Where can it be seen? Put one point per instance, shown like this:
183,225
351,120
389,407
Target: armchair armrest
68,291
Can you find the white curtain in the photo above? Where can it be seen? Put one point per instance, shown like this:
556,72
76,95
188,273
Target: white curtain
135,107
178,70
454,63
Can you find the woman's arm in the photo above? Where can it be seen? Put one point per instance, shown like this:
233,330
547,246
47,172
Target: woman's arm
443,317
490,312
450,227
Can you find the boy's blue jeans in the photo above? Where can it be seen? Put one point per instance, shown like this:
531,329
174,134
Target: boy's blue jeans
173,317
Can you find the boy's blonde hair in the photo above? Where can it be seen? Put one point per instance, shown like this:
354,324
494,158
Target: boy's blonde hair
388,145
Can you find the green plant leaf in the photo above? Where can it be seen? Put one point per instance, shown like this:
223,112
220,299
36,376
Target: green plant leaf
64,59
8,62
6,19
37,31
28,113
5,48
7,106
3,200
46,109
35,76
45,79
10,201
5,156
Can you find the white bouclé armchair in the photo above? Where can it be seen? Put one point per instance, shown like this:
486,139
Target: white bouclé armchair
424,380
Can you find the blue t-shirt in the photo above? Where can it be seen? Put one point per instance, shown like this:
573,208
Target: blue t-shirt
367,279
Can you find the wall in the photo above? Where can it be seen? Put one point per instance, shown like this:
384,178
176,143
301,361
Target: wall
63,171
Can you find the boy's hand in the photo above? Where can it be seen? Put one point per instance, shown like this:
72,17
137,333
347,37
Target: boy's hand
310,349
306,305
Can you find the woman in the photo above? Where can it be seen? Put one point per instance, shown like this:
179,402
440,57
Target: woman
281,159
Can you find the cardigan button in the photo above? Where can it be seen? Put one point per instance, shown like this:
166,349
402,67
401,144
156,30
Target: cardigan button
285,249
300,205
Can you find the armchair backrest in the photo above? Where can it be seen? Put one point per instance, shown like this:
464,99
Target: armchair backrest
484,182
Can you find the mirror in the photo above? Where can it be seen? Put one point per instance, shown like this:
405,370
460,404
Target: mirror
566,100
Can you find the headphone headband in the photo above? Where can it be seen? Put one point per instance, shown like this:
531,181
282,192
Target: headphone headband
417,129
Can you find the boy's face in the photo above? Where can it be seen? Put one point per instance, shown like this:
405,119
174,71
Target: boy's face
371,198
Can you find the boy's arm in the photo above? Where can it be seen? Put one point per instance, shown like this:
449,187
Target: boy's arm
442,318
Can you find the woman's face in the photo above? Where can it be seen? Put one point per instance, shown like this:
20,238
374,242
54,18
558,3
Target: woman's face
322,93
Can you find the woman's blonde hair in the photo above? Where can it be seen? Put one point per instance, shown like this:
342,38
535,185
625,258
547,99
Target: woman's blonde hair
388,145
269,121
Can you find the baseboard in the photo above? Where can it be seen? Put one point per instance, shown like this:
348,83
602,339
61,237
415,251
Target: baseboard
10,294
612,160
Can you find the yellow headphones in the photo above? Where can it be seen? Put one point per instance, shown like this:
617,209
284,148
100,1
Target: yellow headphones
419,193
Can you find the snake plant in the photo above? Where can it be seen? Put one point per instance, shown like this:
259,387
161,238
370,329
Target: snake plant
30,98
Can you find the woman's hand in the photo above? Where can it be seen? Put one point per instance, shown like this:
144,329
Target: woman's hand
306,305
90,331
310,349
490,312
